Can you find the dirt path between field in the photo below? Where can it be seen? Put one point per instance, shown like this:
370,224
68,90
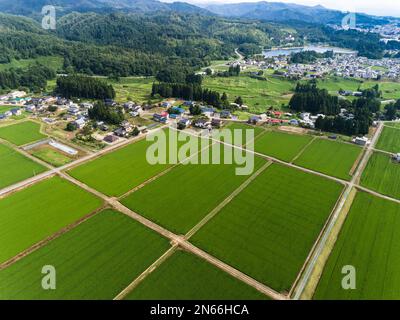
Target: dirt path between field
178,240
217,209
146,273
302,150
54,236
25,183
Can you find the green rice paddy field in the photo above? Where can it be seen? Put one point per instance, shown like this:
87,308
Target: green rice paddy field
95,260
35,213
197,189
268,230
186,277
51,156
283,146
330,157
120,171
22,133
369,241
235,127
15,167
382,175
389,140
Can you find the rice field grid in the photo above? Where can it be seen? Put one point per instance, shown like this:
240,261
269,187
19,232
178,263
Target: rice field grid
369,241
382,174
15,167
38,211
22,133
333,158
389,140
179,199
95,260
280,145
184,276
268,230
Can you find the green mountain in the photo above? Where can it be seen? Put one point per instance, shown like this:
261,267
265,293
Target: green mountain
276,11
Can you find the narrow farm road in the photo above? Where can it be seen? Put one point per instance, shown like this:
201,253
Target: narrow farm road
299,287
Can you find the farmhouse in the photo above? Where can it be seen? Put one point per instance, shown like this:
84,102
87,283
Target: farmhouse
110,138
361,141
160,118
80,123
16,112
201,123
225,114
184,122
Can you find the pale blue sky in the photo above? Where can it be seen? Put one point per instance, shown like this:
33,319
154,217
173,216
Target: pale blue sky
376,7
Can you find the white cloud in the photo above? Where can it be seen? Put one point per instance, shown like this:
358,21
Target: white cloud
381,7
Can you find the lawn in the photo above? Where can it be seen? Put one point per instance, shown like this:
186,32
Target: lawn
51,156
369,241
330,157
35,213
186,277
283,146
22,133
15,167
95,260
268,230
382,175
117,172
389,140
197,190
257,94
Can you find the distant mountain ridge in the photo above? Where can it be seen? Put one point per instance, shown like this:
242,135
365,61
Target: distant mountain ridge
34,7
277,11
267,11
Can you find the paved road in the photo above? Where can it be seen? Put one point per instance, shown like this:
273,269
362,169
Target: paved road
299,287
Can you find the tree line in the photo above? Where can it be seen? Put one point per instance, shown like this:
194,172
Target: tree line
34,77
188,91
309,98
77,86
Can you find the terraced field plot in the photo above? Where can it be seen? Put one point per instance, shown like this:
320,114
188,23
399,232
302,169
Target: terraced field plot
184,276
15,167
257,94
35,213
268,230
382,175
95,260
283,146
120,171
369,241
330,157
196,190
389,140
21,133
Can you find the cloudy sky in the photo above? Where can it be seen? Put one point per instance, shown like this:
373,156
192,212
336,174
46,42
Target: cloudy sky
376,7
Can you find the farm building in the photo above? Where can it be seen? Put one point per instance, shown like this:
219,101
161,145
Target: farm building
110,138
361,141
